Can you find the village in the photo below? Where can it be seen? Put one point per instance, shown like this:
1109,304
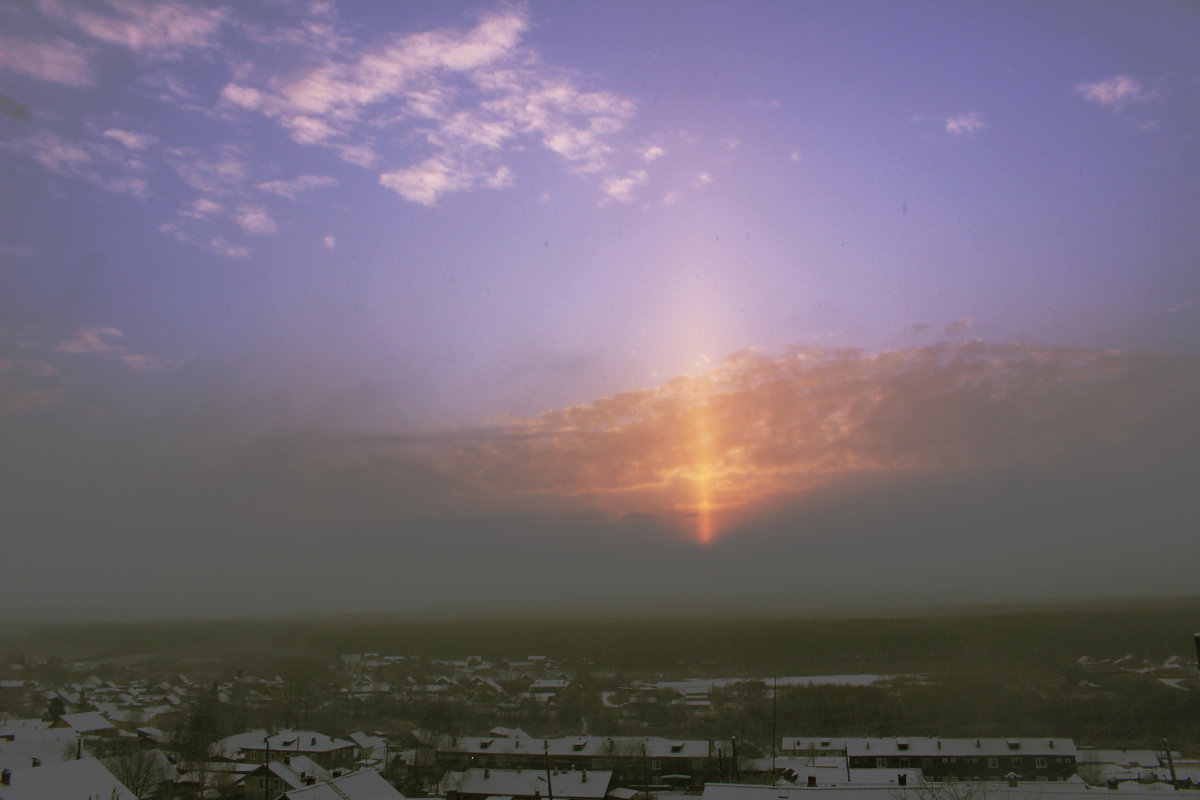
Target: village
86,736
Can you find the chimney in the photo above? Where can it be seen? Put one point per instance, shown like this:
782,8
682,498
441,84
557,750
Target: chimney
6,777
314,742
585,776
902,779
939,744
812,781
487,773
34,761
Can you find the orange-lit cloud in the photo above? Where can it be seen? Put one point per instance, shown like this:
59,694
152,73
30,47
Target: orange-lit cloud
708,449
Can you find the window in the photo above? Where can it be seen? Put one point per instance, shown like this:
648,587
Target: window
881,763
993,763
1040,763
1016,762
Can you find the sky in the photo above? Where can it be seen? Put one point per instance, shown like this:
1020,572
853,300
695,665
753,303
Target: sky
310,306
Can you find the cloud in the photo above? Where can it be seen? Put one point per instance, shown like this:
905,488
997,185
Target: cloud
621,189
964,123
295,188
757,427
201,208
653,153
959,326
254,219
158,28
134,141
1115,93
329,241
92,340
470,95
224,172
59,61
96,163
181,232
920,328
424,183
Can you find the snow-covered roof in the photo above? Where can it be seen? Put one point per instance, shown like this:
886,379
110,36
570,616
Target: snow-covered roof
366,784
928,746
527,783
85,722
85,779
588,746
284,742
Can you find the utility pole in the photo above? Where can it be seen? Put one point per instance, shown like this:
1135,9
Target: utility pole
267,767
645,770
774,695
549,784
1171,764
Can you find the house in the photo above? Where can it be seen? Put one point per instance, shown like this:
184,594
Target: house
88,723
365,784
259,747
279,776
84,779
528,784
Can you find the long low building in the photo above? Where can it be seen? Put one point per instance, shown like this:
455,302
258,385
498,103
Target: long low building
981,759
646,759
953,790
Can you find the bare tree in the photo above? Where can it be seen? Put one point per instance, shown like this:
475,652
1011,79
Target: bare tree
140,770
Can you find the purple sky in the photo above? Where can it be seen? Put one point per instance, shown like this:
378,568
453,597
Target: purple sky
469,294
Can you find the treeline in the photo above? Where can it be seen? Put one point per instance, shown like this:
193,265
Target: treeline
1020,640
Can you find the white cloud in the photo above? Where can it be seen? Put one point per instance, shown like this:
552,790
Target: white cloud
134,141
221,247
329,242
621,190
106,343
222,173
160,28
703,179
358,154
966,122
96,163
59,61
92,340
295,188
254,219
1115,93
243,96
653,153
215,244
424,183
471,94
202,207
795,157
